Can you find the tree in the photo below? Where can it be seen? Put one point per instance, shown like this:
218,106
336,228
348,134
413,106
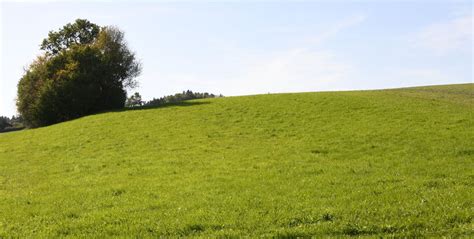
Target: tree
134,100
4,122
85,69
81,32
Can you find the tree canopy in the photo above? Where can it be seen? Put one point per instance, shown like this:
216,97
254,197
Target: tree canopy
85,69
79,32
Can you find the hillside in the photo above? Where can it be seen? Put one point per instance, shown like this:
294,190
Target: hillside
366,163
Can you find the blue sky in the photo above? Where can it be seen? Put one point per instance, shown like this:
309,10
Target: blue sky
245,47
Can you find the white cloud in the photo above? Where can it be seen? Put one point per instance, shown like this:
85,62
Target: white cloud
444,38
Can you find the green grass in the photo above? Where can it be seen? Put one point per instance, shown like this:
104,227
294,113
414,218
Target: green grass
362,163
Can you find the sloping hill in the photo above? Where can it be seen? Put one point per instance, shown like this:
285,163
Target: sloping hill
390,162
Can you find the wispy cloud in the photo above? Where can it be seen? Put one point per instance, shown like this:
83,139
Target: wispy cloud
292,70
447,37
300,68
333,30
324,34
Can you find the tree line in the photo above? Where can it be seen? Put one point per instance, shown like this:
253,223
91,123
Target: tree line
135,100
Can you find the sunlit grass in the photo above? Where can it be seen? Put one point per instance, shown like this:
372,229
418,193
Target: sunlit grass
367,163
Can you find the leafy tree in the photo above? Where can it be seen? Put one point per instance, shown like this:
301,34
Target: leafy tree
16,121
80,32
85,70
134,100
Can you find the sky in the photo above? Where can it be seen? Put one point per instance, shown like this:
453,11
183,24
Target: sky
258,47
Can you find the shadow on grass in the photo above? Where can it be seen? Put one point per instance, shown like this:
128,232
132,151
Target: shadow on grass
180,104
6,130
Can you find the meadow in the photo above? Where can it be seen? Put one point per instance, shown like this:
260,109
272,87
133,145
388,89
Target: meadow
358,163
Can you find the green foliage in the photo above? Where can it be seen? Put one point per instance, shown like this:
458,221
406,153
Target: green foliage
120,62
393,163
10,124
4,122
81,32
179,97
134,100
84,72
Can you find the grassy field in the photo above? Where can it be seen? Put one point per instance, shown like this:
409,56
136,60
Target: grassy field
361,163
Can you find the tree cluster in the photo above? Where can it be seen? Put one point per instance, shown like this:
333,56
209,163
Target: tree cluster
85,69
185,95
4,122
